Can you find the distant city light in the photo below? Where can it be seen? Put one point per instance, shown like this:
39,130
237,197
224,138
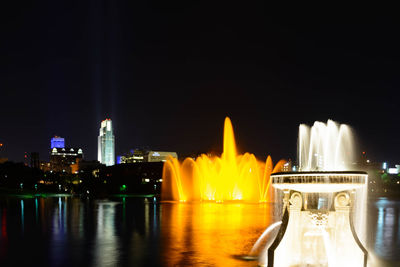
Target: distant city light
122,188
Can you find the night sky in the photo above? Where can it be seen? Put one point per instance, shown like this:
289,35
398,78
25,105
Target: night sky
167,75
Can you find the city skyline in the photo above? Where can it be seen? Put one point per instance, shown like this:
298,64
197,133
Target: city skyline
106,149
168,77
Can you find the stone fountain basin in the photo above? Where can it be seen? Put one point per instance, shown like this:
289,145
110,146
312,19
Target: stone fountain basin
319,181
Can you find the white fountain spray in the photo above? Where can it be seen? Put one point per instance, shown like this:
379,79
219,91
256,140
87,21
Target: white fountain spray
324,204
325,147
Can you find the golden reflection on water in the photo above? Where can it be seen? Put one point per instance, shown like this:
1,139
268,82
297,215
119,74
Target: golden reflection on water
211,234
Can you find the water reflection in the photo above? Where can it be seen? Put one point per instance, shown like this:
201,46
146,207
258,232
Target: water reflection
36,211
58,233
3,236
106,247
143,232
387,234
209,233
22,216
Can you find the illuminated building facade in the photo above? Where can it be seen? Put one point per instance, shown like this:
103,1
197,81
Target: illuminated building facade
159,156
137,155
62,158
287,166
45,166
106,144
134,156
57,142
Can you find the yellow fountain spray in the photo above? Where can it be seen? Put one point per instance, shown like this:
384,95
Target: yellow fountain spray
230,177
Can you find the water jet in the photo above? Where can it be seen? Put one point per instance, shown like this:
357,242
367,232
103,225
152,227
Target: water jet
230,177
323,214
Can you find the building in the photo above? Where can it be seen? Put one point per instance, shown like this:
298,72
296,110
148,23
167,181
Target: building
136,155
84,166
3,159
45,166
287,166
62,158
35,161
141,155
159,156
106,144
57,142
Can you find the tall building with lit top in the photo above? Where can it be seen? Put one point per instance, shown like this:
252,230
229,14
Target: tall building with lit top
106,144
57,142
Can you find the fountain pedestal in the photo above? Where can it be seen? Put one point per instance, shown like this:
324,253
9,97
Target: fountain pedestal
318,227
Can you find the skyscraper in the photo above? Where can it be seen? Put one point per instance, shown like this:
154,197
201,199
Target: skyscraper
57,142
106,145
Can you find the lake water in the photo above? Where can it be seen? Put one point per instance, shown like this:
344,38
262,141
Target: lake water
66,231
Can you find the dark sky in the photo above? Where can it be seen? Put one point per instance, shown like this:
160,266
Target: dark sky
167,75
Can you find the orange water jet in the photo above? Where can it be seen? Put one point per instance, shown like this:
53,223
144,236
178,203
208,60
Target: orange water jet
229,177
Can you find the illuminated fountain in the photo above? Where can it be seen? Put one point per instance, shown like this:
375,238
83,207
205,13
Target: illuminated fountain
225,178
323,222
